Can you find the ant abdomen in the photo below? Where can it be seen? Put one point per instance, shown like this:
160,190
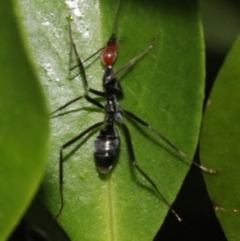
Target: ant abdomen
106,148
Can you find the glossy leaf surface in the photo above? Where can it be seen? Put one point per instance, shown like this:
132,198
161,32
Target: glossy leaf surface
165,88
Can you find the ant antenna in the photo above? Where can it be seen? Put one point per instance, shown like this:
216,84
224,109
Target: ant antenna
114,29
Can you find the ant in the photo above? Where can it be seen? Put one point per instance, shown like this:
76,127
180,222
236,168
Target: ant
107,143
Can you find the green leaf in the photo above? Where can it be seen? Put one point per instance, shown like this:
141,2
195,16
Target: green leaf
219,143
23,124
164,88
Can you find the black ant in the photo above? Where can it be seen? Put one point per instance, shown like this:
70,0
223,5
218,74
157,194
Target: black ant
107,143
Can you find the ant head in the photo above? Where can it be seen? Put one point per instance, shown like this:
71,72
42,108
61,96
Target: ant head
109,53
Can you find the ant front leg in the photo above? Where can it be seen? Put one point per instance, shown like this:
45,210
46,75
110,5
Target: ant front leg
86,97
134,162
69,143
132,61
80,63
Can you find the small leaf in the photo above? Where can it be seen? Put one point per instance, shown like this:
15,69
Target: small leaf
23,124
164,88
220,143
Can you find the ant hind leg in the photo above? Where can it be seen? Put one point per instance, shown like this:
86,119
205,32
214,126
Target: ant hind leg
134,163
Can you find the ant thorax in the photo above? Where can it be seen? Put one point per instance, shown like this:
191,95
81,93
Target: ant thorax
113,110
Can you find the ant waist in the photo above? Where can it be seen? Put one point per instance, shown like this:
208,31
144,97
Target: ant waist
110,118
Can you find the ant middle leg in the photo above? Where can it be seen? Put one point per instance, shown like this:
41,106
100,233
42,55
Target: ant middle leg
174,147
86,97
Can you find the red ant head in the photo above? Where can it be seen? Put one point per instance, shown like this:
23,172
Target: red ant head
109,53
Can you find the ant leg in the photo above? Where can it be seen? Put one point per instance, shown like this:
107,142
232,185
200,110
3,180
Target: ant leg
70,142
67,104
113,36
91,56
134,162
88,98
97,92
131,62
181,153
80,62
